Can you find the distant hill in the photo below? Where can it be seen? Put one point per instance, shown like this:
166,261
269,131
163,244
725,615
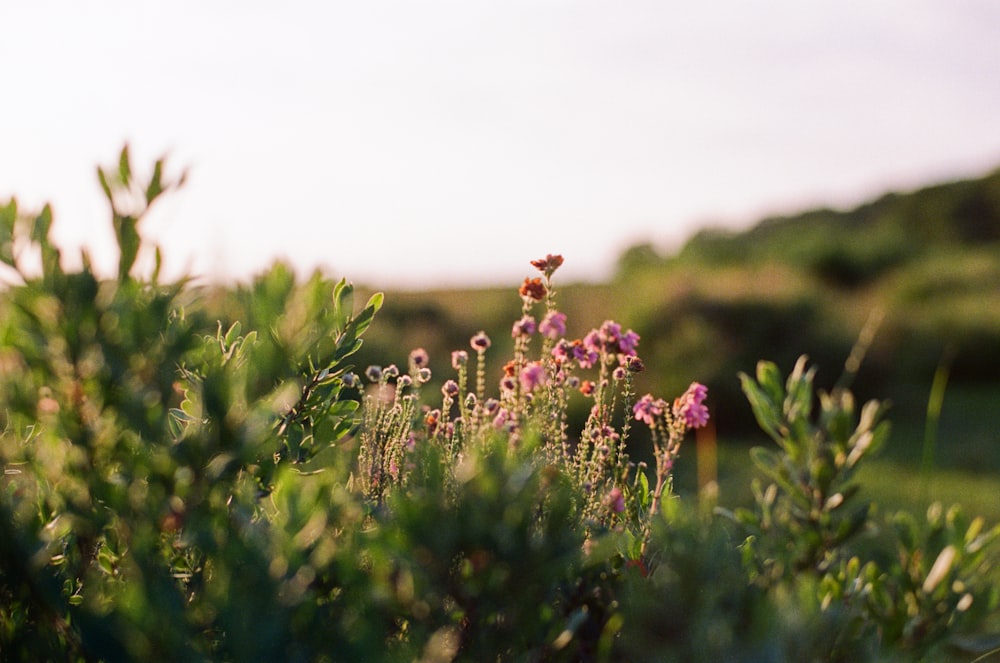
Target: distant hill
850,248
926,261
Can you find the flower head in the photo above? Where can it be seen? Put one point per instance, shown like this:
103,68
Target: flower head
533,290
548,265
553,325
532,375
418,358
628,343
615,500
459,358
523,327
647,409
690,406
480,342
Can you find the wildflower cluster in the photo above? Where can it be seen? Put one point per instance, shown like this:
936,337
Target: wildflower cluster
530,400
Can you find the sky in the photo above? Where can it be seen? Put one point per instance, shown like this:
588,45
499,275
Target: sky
405,144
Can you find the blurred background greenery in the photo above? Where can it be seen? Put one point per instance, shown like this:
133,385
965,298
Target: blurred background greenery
924,265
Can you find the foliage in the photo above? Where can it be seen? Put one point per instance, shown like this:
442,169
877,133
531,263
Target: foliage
180,484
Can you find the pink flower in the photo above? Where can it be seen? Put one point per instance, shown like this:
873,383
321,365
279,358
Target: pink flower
480,342
584,355
523,327
562,350
450,388
532,375
647,409
418,358
690,406
610,333
459,358
553,325
615,500
628,343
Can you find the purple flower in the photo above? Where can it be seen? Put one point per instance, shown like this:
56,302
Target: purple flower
690,406
553,325
418,358
450,389
610,333
628,343
562,350
532,375
615,500
523,327
459,358
585,356
374,373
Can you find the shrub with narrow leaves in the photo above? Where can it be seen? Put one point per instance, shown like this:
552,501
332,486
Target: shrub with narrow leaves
193,474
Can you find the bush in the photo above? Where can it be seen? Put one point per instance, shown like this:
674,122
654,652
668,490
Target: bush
177,488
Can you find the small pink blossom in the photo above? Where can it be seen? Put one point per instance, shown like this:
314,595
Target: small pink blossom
480,342
690,406
553,325
647,409
610,334
532,375
615,500
418,358
628,343
523,327
459,358
584,355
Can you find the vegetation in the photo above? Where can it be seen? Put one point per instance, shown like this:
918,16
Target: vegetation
194,474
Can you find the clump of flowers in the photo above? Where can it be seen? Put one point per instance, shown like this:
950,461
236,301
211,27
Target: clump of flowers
531,396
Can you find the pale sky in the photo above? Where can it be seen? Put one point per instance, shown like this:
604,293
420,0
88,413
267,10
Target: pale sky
411,144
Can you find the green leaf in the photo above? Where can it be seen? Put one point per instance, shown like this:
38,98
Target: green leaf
769,378
8,217
343,303
41,226
128,243
769,462
233,334
105,186
124,167
853,524
155,186
764,408
375,302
